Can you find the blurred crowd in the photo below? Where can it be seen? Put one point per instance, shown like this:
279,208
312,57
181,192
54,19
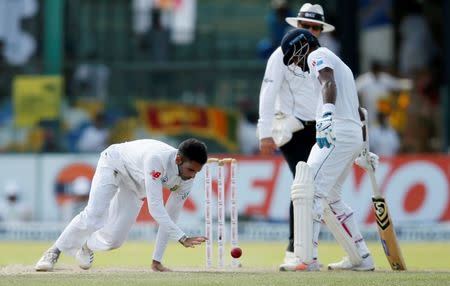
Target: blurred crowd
403,97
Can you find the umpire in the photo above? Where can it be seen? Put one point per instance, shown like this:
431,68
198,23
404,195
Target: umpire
287,107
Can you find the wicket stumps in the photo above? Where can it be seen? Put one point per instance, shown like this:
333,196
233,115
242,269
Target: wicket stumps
221,235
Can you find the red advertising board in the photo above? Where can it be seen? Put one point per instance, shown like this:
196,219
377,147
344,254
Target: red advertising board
416,188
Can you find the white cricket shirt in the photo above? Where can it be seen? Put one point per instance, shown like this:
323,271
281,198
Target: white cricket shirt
147,166
346,96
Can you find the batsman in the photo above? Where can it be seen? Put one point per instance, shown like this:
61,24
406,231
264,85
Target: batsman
317,188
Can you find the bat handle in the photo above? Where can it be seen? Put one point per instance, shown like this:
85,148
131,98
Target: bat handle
375,188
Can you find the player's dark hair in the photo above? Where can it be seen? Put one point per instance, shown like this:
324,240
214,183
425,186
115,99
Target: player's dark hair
193,150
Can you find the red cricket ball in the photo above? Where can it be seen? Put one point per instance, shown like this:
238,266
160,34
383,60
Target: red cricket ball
236,252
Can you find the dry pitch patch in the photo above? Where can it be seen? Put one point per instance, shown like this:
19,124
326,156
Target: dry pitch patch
65,269
69,275
17,269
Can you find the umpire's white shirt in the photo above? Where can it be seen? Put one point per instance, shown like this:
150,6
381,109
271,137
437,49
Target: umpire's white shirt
286,92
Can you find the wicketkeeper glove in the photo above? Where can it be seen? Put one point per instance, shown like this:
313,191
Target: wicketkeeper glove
324,131
366,162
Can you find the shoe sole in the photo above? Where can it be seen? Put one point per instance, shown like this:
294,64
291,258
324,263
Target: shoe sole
350,269
43,269
370,269
296,269
284,269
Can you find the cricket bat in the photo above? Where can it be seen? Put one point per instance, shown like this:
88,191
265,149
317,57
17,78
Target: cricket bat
385,226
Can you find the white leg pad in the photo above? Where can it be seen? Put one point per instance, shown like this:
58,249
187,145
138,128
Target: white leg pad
341,235
302,194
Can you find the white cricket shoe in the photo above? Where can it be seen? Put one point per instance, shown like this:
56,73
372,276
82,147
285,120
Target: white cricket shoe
85,257
313,266
48,260
345,264
290,257
289,262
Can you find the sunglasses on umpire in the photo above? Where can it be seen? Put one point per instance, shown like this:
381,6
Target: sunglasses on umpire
313,27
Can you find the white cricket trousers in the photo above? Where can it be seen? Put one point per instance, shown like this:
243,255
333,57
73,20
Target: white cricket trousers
330,168
108,217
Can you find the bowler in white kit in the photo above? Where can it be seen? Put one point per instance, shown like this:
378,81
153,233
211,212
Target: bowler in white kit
126,174
317,188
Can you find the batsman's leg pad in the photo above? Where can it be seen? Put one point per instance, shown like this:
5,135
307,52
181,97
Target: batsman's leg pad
302,194
336,223
345,215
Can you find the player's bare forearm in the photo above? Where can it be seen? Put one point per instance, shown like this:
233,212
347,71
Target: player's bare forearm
326,78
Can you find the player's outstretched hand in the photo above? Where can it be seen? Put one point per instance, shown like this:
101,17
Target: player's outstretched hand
193,241
158,267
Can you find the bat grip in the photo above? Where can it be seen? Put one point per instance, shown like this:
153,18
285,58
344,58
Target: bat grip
370,170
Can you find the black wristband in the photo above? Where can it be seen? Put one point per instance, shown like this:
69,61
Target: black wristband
183,239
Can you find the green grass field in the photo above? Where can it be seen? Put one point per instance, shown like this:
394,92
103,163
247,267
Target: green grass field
428,264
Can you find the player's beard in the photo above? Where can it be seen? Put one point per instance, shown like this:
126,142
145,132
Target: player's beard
180,173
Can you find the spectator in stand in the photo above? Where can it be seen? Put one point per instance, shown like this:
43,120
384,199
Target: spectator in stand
13,209
414,55
277,27
248,142
383,139
91,79
375,85
94,138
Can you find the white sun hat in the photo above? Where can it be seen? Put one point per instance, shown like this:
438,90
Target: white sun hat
310,13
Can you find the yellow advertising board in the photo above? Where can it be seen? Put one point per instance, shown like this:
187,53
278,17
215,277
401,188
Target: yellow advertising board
35,98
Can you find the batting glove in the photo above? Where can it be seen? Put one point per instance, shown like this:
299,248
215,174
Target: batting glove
371,161
324,131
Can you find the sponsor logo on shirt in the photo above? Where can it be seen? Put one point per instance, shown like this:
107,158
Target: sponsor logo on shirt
184,196
319,62
155,174
174,188
164,179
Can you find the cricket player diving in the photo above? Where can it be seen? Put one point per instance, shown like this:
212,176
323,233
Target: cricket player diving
317,188
126,174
